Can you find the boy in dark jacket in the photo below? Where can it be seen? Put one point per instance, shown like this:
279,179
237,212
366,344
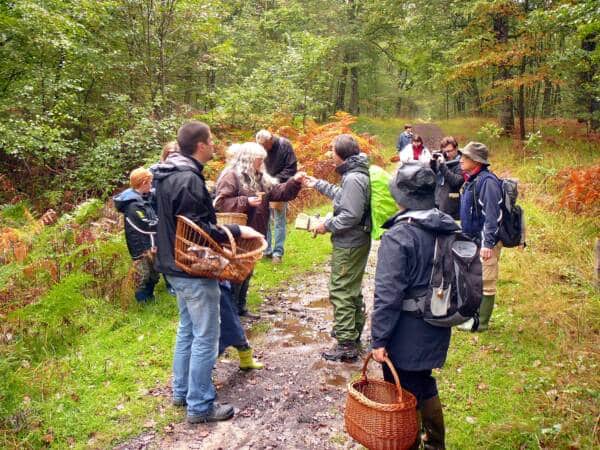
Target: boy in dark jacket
140,228
449,177
404,265
480,217
350,235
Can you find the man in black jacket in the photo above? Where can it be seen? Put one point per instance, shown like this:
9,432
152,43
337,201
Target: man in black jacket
282,164
181,190
414,346
449,177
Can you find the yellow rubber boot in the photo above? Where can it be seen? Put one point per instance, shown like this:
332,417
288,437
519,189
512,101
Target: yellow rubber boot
247,362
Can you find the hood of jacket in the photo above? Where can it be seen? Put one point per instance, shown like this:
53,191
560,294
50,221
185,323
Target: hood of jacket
432,220
355,163
124,198
176,162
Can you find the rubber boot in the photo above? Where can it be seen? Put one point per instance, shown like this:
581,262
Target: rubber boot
247,362
432,418
485,312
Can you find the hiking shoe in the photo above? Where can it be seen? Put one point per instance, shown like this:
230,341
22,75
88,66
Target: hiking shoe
217,413
248,315
343,351
179,402
276,259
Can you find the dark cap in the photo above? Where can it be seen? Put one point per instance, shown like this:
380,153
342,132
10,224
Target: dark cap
476,151
413,186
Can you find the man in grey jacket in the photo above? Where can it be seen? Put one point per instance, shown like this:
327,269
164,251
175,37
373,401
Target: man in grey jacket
350,235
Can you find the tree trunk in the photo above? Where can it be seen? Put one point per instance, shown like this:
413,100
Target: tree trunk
521,104
354,106
340,101
507,118
547,99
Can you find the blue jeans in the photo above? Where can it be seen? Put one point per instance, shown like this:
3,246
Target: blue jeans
278,217
197,342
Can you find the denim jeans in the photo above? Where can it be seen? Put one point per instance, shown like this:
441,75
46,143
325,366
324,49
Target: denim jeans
278,221
197,342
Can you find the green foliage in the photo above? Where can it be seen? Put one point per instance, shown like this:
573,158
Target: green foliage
489,132
15,215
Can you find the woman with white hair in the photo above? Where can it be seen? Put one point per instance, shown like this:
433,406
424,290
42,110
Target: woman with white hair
244,186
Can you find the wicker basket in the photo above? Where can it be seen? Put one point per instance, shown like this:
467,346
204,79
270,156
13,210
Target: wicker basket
232,219
197,254
381,415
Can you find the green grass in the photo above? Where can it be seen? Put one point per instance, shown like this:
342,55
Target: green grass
80,371
531,381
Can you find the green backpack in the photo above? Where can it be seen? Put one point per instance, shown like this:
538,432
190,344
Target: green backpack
383,205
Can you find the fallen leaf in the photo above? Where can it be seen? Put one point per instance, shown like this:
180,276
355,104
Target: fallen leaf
482,386
470,420
537,363
120,407
48,438
149,424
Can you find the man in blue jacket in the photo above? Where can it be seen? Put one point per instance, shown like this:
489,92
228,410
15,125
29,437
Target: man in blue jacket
404,138
404,265
480,217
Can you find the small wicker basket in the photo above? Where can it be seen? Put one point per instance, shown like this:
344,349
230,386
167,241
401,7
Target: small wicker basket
232,218
381,415
197,254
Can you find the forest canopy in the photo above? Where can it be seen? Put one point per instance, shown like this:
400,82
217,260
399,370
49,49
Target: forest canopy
91,88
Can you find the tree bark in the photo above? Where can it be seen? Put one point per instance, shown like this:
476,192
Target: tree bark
354,106
507,118
340,101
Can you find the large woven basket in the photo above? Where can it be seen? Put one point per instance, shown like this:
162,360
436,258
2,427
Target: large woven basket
232,218
233,261
381,415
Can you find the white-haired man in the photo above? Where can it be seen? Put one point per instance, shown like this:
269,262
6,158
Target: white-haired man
282,164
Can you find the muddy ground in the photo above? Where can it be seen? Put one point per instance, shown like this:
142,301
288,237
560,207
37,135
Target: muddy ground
297,401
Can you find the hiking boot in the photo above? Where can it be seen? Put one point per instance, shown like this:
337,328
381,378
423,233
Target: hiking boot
342,351
276,259
217,413
248,315
467,326
179,402
247,362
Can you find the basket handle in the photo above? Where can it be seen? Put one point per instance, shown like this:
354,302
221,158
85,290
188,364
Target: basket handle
231,239
391,367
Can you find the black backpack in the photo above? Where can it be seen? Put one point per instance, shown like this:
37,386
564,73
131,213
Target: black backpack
511,229
455,288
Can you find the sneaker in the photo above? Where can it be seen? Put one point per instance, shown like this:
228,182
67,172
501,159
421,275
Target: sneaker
179,402
217,413
267,256
276,259
342,351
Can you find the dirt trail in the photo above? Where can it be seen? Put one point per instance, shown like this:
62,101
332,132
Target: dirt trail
297,401
431,134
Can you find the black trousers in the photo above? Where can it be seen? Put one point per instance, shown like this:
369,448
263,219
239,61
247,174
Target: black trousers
419,383
240,294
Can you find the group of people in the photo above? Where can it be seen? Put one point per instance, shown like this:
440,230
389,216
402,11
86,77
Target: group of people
431,189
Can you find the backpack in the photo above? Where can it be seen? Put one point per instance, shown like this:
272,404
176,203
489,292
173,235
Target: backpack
455,287
383,205
511,229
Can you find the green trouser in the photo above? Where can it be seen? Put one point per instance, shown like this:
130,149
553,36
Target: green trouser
345,291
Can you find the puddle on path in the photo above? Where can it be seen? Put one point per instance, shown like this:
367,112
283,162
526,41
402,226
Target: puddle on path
291,333
321,303
337,380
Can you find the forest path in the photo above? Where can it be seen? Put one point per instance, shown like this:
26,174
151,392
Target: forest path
431,134
297,401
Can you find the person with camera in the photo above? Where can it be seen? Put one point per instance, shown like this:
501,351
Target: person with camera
449,177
